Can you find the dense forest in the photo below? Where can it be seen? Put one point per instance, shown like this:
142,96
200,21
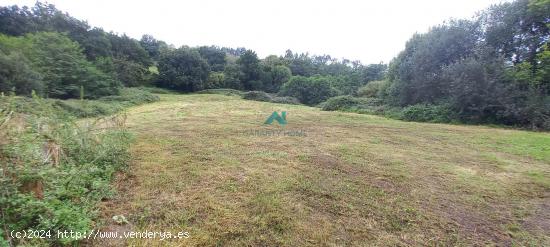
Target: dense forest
494,68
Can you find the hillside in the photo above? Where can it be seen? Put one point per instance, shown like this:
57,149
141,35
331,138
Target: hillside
207,164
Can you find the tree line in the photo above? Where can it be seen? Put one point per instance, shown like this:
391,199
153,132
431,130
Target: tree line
493,68
49,52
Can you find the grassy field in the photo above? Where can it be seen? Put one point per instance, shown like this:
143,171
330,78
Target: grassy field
360,180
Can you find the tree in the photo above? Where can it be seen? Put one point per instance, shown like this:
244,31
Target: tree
299,64
250,70
373,72
519,29
215,80
96,44
183,69
65,68
232,74
61,65
477,88
17,75
234,52
130,73
124,47
214,56
493,69
273,73
417,70
16,21
152,46
280,74
542,70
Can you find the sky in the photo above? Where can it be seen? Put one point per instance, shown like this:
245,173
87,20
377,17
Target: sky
365,30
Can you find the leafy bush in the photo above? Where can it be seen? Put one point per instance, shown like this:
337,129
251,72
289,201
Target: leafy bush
132,96
266,97
54,171
257,96
309,90
353,104
372,89
442,113
87,108
107,105
285,100
215,80
340,103
224,91
156,90
344,84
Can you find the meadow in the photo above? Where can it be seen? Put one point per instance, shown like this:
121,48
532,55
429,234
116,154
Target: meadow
352,179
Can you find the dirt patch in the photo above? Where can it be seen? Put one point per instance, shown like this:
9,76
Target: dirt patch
328,161
539,221
468,222
331,162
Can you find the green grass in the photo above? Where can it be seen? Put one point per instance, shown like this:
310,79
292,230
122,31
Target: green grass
530,144
354,180
53,171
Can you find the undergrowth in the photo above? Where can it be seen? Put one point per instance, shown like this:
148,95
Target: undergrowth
53,170
107,105
416,113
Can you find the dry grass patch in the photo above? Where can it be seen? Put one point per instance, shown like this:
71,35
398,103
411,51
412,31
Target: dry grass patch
353,180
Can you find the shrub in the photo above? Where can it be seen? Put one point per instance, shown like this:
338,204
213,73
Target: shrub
372,89
345,102
353,104
25,105
285,100
132,96
266,97
215,80
257,96
87,108
156,90
224,91
344,84
442,113
106,105
54,170
309,90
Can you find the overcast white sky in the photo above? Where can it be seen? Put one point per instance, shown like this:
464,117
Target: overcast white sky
370,31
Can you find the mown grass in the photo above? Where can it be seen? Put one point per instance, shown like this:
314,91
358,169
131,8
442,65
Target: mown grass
354,180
